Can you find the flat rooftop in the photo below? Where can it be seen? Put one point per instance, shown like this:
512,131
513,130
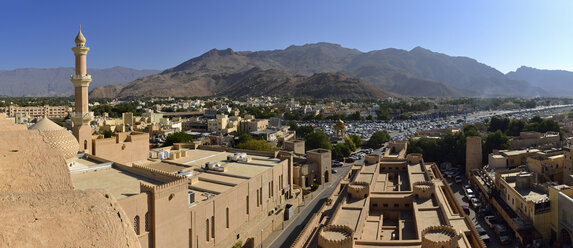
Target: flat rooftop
376,226
518,152
119,183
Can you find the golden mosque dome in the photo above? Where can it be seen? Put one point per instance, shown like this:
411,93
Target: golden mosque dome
80,38
58,138
340,122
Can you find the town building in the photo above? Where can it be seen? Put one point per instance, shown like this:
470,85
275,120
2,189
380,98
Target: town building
201,198
52,112
396,201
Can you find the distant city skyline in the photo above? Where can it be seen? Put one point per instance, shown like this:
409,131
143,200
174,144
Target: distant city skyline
159,35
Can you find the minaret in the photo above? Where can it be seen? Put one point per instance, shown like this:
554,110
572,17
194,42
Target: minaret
81,118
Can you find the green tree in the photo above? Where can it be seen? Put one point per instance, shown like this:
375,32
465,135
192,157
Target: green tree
350,144
496,140
340,151
378,139
471,130
515,127
302,131
428,147
497,123
356,139
255,144
317,139
243,137
178,137
108,133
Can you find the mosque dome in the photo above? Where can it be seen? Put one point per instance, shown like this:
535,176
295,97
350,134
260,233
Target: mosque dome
340,122
80,38
58,138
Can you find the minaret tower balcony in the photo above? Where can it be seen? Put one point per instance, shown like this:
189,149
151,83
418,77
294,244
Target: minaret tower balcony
82,118
81,80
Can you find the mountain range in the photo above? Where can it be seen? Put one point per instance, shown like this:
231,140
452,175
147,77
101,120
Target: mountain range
56,81
311,70
555,82
418,72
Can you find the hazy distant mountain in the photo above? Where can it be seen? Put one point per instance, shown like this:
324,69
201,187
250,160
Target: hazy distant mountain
419,72
56,81
253,82
556,82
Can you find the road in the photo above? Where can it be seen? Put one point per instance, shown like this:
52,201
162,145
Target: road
457,188
312,206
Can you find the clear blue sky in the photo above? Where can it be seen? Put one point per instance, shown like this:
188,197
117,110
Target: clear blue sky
162,34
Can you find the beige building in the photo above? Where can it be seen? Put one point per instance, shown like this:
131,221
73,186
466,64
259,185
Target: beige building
547,168
535,139
528,199
316,168
252,125
397,201
473,154
204,198
52,112
223,124
124,147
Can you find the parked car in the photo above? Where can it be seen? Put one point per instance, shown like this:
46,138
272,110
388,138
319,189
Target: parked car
483,234
469,192
466,209
490,220
475,202
458,179
502,234
483,212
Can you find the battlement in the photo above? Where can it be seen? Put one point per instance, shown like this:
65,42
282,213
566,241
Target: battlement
358,190
424,190
440,237
336,236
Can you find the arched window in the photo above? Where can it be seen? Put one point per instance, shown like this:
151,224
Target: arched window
136,224
85,144
147,222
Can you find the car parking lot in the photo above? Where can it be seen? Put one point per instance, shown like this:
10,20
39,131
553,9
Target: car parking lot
478,221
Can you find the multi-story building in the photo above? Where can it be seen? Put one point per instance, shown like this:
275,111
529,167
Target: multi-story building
528,199
399,201
200,198
52,112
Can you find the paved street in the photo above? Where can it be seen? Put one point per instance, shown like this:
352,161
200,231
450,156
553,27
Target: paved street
457,188
312,206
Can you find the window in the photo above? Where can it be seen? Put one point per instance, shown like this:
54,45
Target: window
261,196
396,205
247,204
385,205
212,226
227,212
207,229
136,224
147,222
257,197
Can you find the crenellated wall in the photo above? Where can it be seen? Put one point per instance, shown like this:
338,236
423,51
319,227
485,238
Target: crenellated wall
358,190
424,190
336,236
440,237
